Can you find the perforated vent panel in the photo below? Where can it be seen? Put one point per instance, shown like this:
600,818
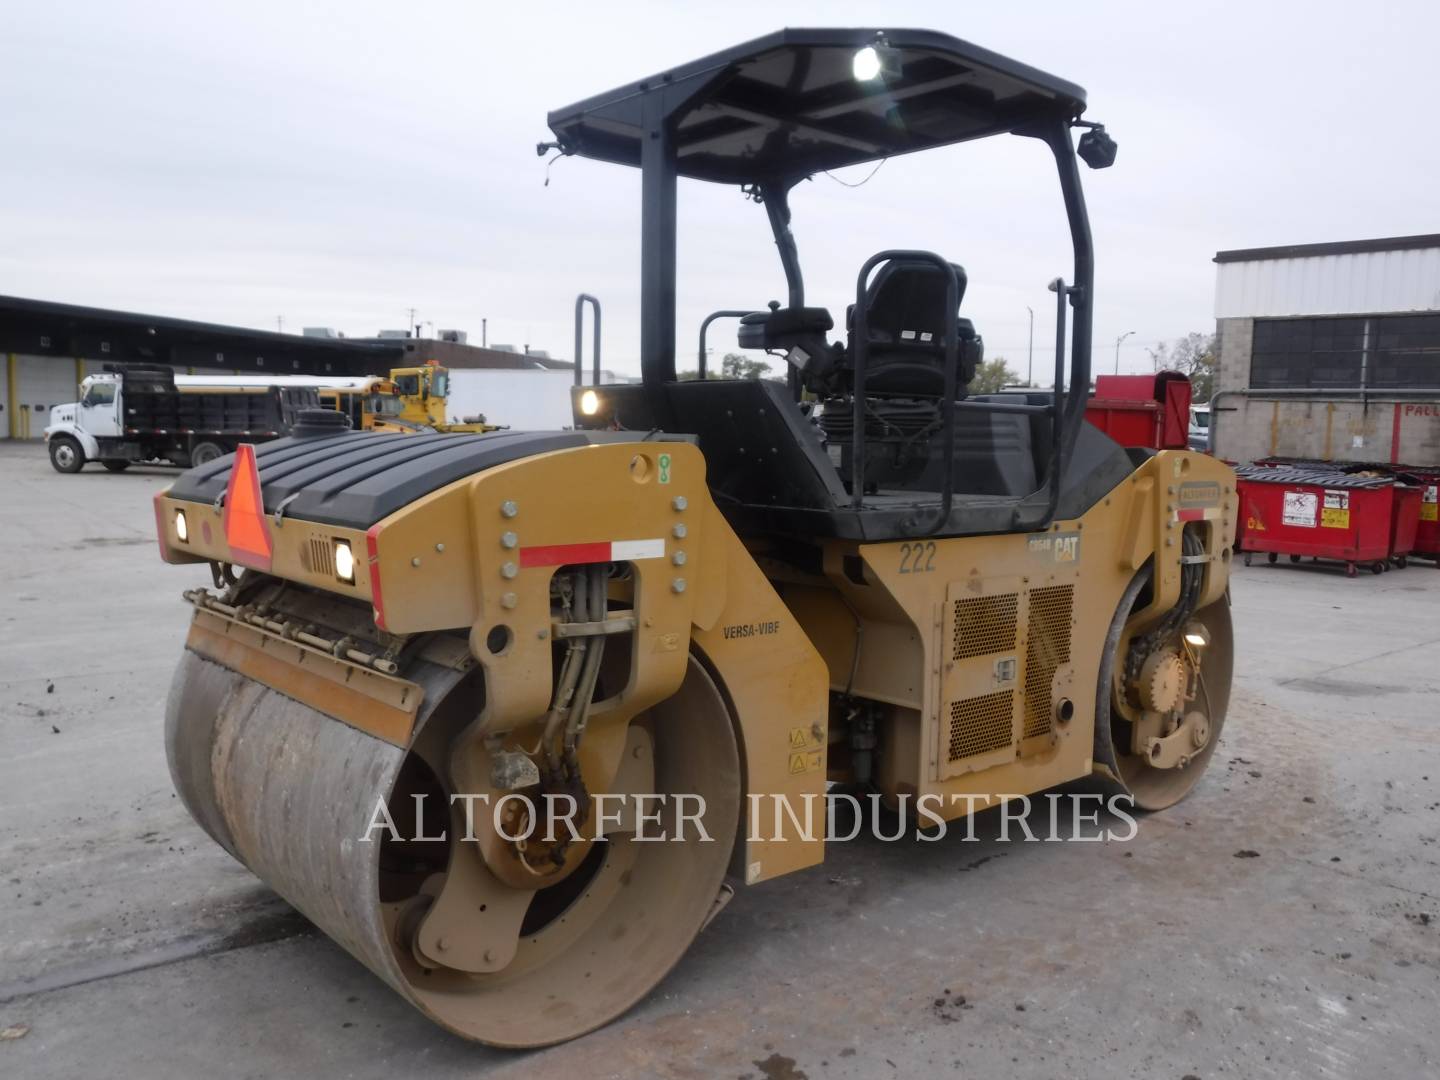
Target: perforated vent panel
981,724
984,624
1048,647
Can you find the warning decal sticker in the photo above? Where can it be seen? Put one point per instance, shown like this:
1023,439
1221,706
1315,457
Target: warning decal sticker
1301,508
803,763
1429,507
1336,512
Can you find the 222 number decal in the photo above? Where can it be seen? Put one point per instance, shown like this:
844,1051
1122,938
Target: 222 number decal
917,558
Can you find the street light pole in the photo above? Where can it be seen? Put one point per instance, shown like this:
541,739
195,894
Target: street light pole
1030,368
1118,340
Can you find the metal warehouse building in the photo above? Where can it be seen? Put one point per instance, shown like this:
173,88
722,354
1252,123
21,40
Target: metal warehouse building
47,348
1329,351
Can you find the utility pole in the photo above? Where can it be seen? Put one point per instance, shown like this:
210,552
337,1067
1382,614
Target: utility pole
411,324
279,324
1030,367
484,327
1118,340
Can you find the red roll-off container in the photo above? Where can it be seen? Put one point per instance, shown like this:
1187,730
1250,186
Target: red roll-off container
1143,410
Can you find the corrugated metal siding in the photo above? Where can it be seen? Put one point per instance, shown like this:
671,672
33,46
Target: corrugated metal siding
1366,282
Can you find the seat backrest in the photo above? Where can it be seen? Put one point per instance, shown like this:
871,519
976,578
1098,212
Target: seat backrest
907,306
907,329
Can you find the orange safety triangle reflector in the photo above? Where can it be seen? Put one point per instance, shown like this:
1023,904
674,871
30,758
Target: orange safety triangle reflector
246,530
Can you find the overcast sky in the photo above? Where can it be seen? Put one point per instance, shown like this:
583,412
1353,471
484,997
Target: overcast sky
338,164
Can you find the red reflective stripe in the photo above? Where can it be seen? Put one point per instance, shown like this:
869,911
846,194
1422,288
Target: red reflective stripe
561,554
160,525
372,551
1190,515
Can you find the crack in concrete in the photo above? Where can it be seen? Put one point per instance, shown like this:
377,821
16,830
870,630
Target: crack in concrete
264,931
1362,660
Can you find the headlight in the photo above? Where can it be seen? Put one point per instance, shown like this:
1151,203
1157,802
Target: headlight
1196,635
344,562
879,60
589,403
866,64
182,529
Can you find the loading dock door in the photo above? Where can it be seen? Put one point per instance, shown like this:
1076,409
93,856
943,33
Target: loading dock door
41,382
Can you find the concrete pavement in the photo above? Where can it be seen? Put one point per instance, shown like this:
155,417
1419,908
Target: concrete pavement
130,943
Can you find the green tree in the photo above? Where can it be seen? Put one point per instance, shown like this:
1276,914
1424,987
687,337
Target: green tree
1192,355
739,366
992,376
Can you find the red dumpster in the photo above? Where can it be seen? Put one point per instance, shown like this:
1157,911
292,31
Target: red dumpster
1424,477
1324,514
1427,526
1143,410
1404,521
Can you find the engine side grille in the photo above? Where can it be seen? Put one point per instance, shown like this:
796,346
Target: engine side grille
1048,648
984,624
981,724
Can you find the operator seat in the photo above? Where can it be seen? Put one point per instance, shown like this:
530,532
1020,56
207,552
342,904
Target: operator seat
906,332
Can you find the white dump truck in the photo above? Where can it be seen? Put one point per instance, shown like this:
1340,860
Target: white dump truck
145,413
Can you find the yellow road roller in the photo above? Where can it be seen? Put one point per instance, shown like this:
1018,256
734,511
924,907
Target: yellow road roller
510,716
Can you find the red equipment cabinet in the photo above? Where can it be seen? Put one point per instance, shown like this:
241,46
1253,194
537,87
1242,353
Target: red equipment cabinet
1143,410
1324,514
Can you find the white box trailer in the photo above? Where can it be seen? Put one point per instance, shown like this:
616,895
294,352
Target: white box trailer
522,399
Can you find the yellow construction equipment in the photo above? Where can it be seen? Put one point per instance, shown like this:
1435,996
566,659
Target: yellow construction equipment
423,392
372,403
708,602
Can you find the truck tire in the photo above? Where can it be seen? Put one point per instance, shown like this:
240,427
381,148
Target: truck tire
116,466
66,454
205,452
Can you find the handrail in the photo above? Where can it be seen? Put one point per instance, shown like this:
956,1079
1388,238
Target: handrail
1055,473
726,313
1057,425
580,302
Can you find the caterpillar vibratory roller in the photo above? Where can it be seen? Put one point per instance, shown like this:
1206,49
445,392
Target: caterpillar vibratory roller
509,716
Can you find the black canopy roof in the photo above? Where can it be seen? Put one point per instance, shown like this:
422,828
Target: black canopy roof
788,104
